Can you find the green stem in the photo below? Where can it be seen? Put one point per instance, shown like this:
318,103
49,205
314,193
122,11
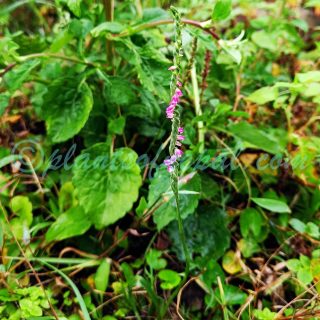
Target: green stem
57,56
142,27
109,14
197,106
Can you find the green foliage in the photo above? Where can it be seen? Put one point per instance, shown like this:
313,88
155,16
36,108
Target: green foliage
106,186
86,205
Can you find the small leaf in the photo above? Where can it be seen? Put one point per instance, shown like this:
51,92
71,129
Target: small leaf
272,205
22,207
101,278
294,265
298,225
305,276
251,220
231,262
264,95
222,10
75,7
154,260
116,126
72,223
170,279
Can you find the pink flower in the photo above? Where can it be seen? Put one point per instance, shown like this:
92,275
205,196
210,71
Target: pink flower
170,169
180,130
180,137
178,153
172,68
178,92
178,144
179,84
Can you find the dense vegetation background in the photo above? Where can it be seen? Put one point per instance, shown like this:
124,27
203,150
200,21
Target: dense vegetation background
88,221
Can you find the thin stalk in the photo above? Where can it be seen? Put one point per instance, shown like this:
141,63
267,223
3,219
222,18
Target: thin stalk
109,14
197,106
142,27
56,56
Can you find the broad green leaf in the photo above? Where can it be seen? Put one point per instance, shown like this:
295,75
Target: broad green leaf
75,7
169,279
101,278
311,76
207,234
264,95
154,259
120,92
18,75
221,10
251,220
272,205
66,107
167,212
265,40
22,207
73,222
255,137
106,186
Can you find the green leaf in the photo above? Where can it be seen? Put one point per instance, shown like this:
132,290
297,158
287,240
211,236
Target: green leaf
265,40
120,92
248,247
107,186
294,265
105,27
305,276
159,190
154,261
75,7
66,107
9,159
272,205
232,295
101,278
312,230
17,76
4,102
307,77
251,220
22,207
298,225
222,10
265,314
207,234
264,95
170,279
256,138
73,222
116,126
